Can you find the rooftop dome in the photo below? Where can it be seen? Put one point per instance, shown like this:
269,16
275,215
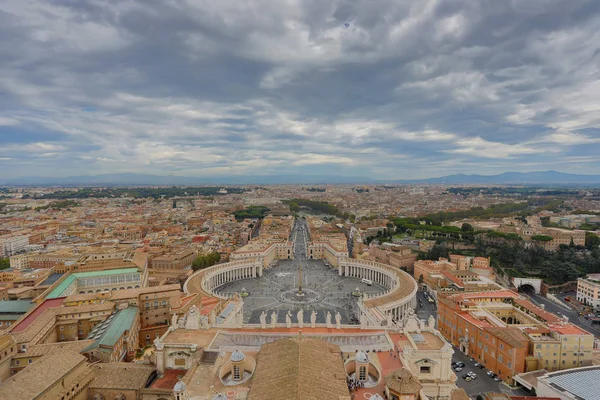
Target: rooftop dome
376,397
362,357
221,396
237,356
179,387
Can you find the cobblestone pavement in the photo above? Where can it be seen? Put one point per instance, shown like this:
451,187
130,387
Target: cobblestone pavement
334,292
325,289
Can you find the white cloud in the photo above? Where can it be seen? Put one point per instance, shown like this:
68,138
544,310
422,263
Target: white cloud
269,86
570,138
478,147
8,121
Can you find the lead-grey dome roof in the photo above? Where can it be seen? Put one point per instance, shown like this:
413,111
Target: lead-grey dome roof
237,356
179,386
362,357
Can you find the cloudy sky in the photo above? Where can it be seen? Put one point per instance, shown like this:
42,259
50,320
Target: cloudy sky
382,88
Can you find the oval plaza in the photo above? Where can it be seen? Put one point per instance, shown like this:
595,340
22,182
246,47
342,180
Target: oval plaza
309,271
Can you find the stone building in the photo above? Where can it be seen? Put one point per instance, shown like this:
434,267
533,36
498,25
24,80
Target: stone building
63,374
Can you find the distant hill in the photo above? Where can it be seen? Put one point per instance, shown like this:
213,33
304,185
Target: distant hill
511,178
507,178
126,179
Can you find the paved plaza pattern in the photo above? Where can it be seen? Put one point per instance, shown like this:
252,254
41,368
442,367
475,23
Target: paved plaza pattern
324,290
268,293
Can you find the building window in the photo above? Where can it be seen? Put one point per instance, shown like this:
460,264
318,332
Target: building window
236,373
363,374
500,358
425,370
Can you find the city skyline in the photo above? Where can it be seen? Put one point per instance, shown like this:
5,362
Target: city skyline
397,90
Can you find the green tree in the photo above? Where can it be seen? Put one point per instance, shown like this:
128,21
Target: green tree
592,240
4,263
420,279
294,207
206,260
466,227
437,251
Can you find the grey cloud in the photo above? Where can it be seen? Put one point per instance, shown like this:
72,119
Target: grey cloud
226,87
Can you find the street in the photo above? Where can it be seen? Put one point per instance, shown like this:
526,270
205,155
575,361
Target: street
426,309
482,383
566,311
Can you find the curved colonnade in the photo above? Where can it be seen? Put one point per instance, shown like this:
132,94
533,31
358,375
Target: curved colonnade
205,281
402,288
395,301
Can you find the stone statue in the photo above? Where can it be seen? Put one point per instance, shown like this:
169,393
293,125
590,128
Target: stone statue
273,319
300,317
338,320
313,319
174,321
431,322
181,323
288,319
263,320
389,319
192,320
204,322
328,319
158,344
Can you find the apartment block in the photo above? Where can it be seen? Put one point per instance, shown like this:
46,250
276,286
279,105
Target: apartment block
510,335
588,290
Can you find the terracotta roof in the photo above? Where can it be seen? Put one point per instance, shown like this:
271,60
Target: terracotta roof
512,336
43,349
121,376
86,308
33,314
482,295
459,394
540,312
41,375
402,381
299,369
452,278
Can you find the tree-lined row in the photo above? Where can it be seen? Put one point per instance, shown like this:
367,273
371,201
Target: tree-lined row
206,260
136,192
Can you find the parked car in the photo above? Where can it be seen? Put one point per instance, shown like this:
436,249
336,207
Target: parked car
460,364
481,366
472,359
465,376
468,379
477,364
458,369
453,364
497,379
